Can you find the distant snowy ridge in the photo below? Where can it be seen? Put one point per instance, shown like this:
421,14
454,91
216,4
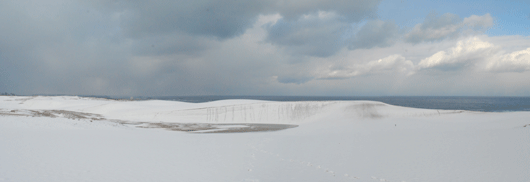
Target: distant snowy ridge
225,111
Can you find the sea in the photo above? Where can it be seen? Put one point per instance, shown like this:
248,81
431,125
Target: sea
484,104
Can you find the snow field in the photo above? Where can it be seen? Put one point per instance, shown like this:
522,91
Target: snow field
335,141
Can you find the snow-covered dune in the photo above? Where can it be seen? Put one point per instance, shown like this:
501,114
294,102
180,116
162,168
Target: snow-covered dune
88,139
225,111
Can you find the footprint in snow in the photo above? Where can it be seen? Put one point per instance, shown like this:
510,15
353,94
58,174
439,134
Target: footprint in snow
354,178
381,179
308,164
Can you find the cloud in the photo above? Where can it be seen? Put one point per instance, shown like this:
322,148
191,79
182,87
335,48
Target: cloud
317,35
518,61
469,54
311,27
296,79
479,22
435,28
122,47
203,18
375,33
446,26
465,52
168,44
350,10
224,19
393,63
475,53
324,33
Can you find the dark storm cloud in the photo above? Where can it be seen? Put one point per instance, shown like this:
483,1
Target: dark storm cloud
168,44
183,26
117,47
226,19
294,79
71,47
53,45
221,19
311,35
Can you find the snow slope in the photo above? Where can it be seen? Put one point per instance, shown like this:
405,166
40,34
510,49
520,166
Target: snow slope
226,111
42,139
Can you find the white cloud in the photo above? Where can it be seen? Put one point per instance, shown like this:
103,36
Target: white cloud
518,61
393,63
465,52
471,55
482,55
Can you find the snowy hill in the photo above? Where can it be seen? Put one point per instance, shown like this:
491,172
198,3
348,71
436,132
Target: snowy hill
88,139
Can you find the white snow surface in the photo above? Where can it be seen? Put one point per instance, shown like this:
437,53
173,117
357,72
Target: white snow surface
334,141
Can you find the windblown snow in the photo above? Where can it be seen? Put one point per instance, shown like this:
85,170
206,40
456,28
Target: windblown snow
87,139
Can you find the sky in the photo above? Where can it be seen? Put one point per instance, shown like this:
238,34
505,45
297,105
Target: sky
265,47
